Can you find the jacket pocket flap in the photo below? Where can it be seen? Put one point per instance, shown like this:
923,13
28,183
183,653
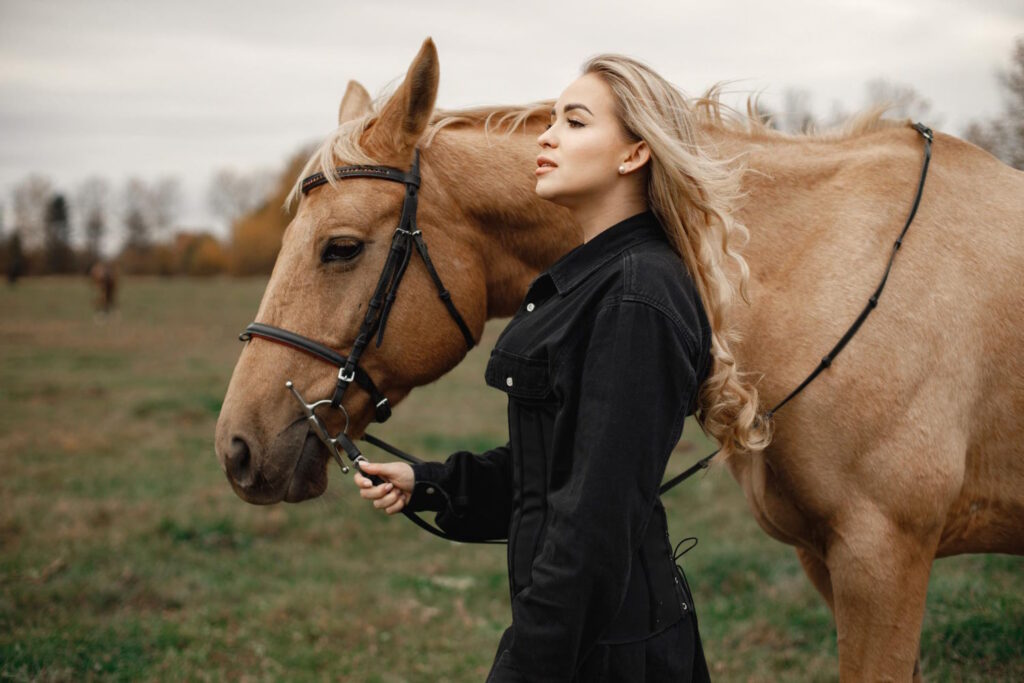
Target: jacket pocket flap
518,376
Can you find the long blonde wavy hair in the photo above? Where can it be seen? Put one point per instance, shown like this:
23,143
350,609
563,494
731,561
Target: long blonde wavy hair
694,194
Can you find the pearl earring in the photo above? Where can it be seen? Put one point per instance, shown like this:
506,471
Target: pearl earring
622,169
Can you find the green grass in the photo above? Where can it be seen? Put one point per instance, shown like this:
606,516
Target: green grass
124,555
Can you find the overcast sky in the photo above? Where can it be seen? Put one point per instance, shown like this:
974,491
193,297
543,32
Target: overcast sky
184,88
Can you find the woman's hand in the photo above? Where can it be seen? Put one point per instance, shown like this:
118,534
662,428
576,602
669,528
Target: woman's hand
394,493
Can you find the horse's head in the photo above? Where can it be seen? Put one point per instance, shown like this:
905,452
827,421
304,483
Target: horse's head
331,258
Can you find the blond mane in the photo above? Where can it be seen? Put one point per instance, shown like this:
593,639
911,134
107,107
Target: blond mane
344,141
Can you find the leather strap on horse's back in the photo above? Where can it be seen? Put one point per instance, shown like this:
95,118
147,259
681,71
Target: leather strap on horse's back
928,136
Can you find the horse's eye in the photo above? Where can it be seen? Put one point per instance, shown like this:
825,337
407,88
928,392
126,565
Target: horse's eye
341,251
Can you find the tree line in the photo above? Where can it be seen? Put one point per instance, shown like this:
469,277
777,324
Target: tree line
38,239
1001,135
137,227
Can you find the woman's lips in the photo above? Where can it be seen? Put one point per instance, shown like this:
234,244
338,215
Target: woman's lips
544,165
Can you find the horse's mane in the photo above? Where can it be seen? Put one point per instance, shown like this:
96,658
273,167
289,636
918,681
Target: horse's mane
710,111
708,108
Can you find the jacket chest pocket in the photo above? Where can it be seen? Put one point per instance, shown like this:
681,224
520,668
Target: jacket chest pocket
520,377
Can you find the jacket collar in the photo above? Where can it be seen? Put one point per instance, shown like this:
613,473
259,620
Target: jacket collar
575,266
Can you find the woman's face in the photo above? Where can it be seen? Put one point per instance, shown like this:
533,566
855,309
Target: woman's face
583,147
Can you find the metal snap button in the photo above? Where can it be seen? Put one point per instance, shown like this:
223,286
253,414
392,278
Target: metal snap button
508,381
430,490
685,607
530,307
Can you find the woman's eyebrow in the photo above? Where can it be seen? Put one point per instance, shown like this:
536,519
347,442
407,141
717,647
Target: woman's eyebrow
574,105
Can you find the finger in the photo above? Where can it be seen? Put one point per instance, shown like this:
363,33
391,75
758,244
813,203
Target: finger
373,477
387,499
397,507
361,481
387,470
375,492
370,467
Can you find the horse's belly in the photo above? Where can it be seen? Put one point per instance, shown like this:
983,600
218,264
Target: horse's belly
988,515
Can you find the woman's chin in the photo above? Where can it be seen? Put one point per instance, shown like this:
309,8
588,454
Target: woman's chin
545,191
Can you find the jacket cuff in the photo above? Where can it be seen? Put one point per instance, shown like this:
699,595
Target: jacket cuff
427,494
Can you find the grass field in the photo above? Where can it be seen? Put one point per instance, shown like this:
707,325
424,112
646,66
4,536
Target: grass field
124,554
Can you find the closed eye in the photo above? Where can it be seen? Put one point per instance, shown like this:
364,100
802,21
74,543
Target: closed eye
573,123
341,250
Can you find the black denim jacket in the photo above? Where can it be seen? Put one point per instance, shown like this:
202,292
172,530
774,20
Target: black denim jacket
601,365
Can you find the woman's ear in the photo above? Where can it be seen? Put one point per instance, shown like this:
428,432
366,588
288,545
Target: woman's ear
639,155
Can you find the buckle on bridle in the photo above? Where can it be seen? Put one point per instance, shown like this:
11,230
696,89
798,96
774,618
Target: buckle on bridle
924,130
349,378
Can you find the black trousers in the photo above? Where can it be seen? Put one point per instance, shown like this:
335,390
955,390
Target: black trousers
674,655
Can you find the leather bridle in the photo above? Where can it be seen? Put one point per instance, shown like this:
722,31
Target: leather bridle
407,238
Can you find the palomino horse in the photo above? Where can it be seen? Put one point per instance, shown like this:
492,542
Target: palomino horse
911,445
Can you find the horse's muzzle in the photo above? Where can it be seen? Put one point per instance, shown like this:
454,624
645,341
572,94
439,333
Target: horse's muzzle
293,469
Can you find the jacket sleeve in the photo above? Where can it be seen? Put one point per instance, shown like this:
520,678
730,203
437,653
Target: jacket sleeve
472,493
637,381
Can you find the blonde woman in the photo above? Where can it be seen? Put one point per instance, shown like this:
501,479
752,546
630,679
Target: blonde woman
613,346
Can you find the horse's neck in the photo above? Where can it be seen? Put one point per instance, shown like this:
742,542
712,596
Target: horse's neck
519,234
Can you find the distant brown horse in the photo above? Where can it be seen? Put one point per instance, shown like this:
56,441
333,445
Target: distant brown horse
104,277
909,447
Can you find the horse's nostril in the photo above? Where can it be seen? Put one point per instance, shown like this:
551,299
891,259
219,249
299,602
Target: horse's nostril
239,462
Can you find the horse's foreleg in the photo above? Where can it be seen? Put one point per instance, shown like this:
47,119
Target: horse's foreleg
879,580
817,572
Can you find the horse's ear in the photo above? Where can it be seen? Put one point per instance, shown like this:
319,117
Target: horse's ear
405,116
354,103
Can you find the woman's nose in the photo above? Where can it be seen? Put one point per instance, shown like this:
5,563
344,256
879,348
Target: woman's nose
545,139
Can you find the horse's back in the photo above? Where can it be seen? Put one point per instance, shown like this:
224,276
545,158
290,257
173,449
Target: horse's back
921,411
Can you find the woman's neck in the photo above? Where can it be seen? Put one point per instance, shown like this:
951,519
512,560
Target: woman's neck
595,218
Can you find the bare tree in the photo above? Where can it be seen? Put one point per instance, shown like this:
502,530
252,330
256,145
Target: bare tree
837,116
92,202
796,115
1003,136
31,197
149,211
904,100
138,221
231,195
137,230
165,205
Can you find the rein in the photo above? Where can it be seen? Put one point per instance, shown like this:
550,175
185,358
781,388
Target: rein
703,463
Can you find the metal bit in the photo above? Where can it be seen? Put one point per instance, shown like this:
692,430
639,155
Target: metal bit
318,426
